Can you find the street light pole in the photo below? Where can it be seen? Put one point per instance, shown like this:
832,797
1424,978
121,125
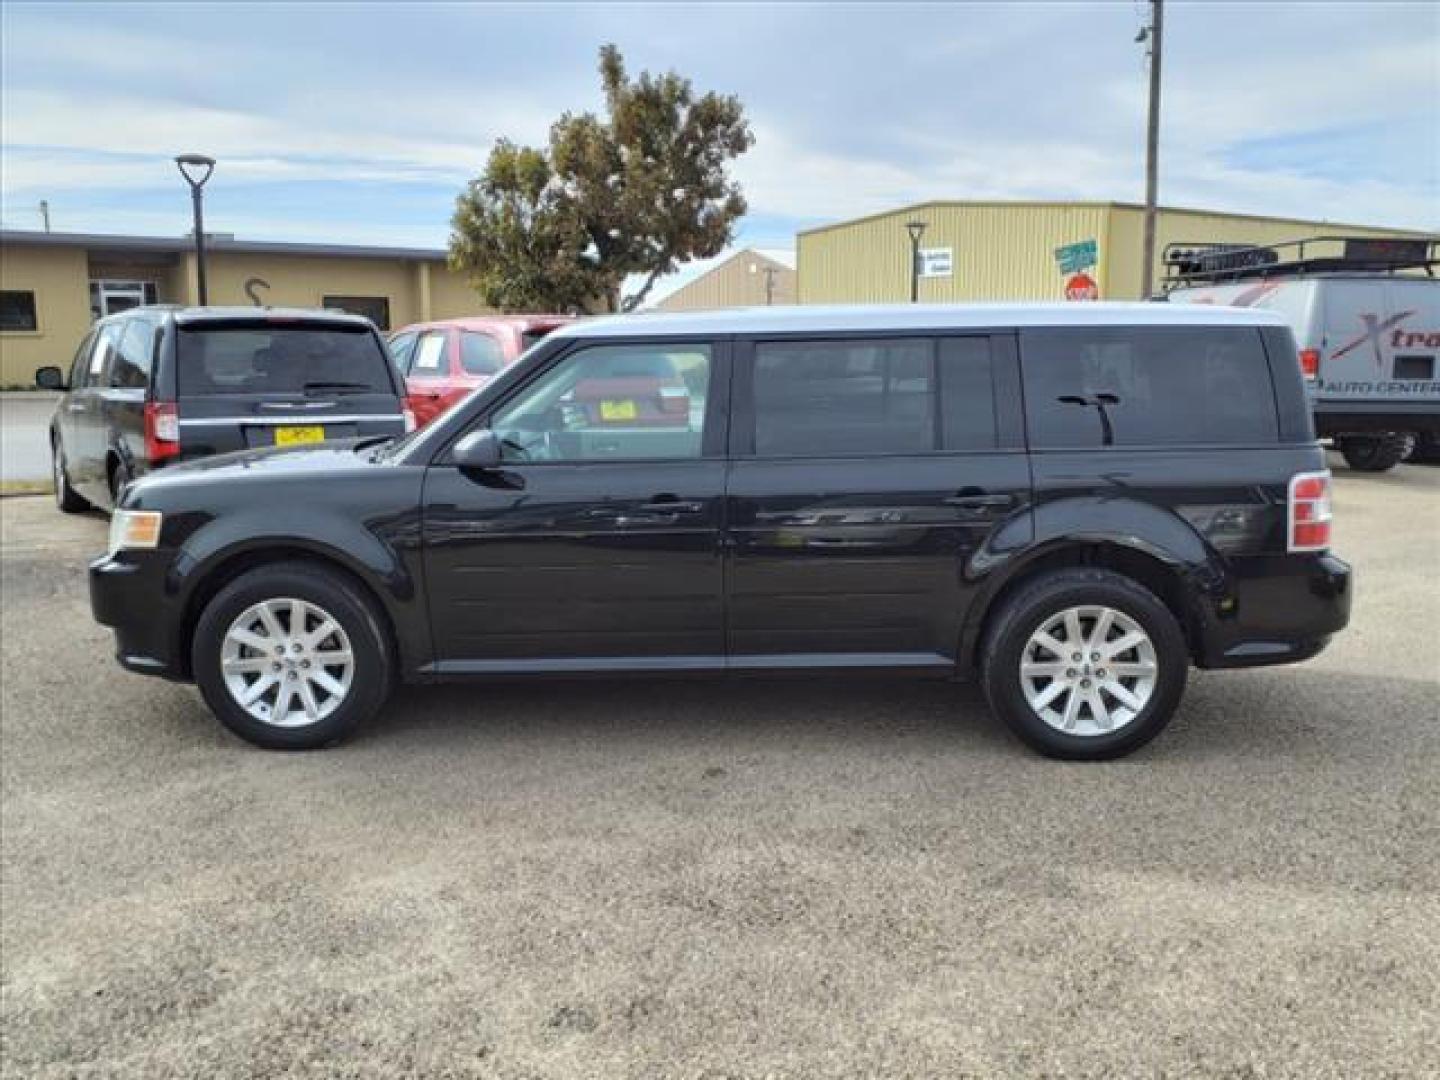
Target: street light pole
190,166
916,229
1155,34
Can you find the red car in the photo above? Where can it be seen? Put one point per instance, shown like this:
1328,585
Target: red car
443,361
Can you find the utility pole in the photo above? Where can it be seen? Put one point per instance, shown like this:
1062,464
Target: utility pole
1154,33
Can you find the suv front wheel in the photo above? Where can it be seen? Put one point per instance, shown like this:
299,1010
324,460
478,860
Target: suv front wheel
292,656
1085,664
67,498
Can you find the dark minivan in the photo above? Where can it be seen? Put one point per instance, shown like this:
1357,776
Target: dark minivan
1073,502
158,385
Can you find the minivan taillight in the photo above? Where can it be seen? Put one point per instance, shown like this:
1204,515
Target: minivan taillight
1310,363
162,430
1309,512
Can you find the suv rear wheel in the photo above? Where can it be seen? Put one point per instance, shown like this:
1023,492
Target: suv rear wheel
66,497
1376,453
292,656
1085,664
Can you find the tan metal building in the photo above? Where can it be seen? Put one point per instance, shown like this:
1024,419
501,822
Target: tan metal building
53,285
1008,250
747,278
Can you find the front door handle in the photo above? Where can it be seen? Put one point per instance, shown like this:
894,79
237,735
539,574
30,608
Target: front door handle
981,502
669,505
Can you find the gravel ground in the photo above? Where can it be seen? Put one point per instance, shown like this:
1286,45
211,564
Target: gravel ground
748,879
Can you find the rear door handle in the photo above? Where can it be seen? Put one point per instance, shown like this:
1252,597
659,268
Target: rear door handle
981,502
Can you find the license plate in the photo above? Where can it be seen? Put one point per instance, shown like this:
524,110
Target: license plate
618,410
293,436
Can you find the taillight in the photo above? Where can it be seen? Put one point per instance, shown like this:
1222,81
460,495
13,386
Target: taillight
409,413
162,430
1309,512
1310,363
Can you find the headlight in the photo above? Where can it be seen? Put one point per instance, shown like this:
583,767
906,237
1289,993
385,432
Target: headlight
134,529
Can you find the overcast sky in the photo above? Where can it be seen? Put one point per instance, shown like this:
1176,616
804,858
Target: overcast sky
360,123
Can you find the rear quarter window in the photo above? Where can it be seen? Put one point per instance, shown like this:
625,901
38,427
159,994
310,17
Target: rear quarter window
267,359
1151,386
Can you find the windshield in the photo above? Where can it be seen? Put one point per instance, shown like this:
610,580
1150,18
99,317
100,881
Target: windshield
269,359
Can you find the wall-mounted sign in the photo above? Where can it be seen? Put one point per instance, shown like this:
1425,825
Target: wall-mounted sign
937,262
1073,258
1082,287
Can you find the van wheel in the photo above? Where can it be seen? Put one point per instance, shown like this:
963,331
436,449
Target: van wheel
66,497
1085,664
292,656
1376,453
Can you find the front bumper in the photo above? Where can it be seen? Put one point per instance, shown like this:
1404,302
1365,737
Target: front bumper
1279,610
127,593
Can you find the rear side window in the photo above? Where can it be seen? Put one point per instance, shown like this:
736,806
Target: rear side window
480,354
268,359
1150,386
131,367
429,360
836,398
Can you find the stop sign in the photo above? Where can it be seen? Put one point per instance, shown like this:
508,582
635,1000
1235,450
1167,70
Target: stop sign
1082,286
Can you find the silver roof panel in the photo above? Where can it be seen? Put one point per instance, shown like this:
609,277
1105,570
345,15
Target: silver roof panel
870,318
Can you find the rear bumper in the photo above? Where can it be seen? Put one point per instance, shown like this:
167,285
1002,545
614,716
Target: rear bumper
1279,610
1355,417
127,594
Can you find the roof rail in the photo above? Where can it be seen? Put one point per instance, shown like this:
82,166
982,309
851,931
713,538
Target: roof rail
1211,263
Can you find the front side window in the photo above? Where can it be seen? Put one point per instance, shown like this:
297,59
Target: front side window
1147,386
837,398
429,362
480,354
17,310
611,403
131,367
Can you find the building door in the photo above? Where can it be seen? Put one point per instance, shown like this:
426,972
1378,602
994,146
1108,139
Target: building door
112,297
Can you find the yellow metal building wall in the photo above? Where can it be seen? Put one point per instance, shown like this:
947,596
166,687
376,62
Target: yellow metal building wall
1002,251
61,283
731,284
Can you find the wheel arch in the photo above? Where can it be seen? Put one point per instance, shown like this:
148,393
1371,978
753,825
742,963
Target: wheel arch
224,567
1168,576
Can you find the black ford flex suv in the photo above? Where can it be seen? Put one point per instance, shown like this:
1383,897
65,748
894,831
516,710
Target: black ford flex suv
1073,503
155,386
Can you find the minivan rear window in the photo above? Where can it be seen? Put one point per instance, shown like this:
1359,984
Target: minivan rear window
1146,386
268,359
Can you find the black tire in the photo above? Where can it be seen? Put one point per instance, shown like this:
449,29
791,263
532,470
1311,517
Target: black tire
118,477
1427,449
1049,595
67,499
340,598
1375,453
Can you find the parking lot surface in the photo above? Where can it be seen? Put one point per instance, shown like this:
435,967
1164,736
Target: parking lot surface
816,878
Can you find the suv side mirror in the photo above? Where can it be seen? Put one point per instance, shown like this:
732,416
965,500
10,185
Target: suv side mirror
50,378
478,450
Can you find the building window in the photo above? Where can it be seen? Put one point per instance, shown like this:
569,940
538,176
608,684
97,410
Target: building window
17,310
374,308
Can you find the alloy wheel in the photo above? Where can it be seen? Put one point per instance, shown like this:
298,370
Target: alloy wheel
287,662
1088,670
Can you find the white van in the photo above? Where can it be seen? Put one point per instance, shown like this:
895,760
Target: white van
1368,328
